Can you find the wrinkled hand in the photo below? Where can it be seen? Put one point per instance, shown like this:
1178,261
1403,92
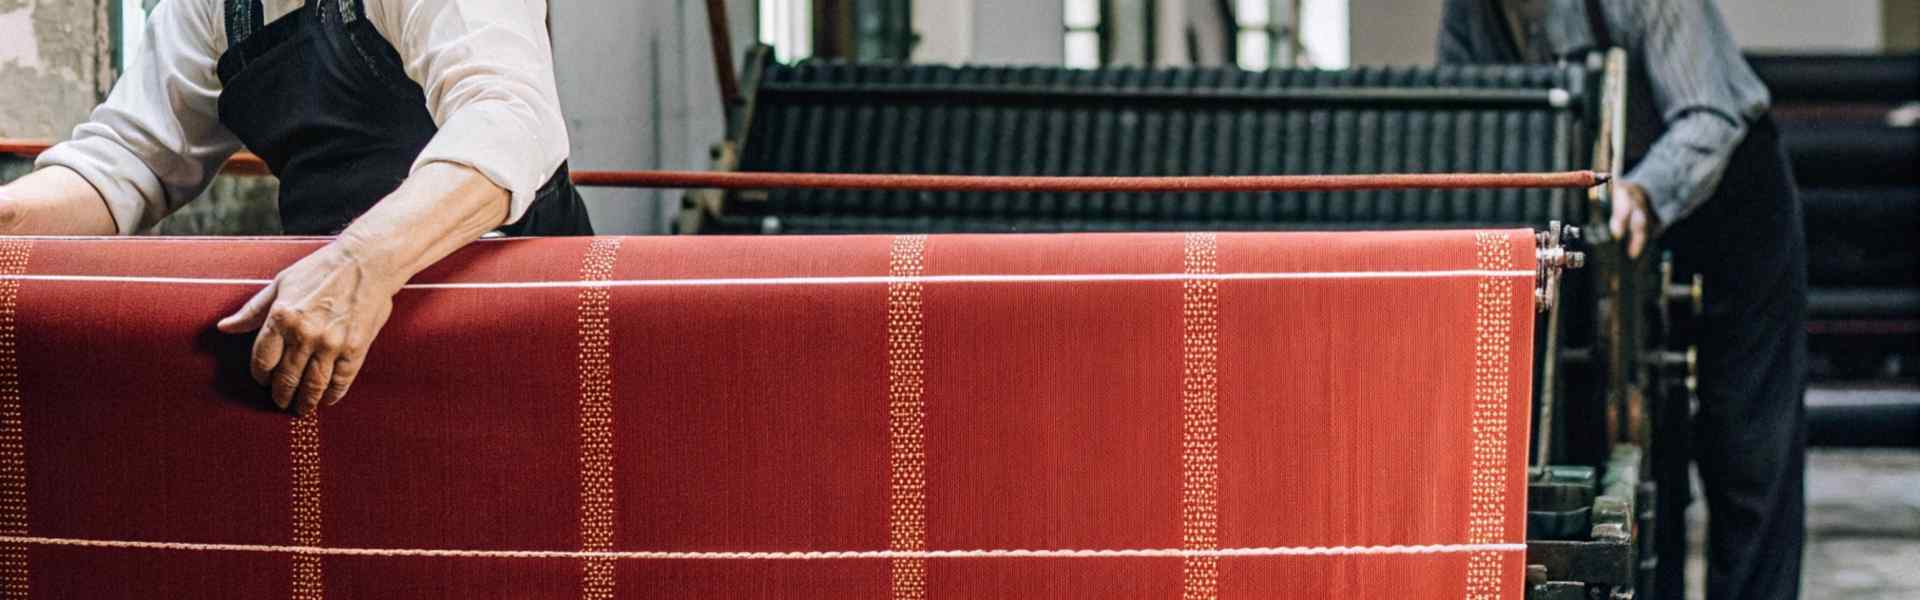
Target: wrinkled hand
316,321
1633,222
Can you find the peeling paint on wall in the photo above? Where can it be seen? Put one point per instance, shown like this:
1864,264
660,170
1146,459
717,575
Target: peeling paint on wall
56,63
16,35
50,59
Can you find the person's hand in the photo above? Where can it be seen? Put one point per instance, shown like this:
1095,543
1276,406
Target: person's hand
1633,222
316,321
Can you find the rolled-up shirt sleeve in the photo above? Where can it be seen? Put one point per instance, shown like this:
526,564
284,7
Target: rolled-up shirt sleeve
156,142
487,69
1705,92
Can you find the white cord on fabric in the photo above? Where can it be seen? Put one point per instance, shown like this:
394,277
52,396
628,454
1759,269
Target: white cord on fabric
845,280
1280,551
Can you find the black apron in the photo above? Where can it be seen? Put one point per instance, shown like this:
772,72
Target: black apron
1749,437
323,99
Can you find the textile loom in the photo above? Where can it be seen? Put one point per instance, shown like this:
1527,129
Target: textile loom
1608,359
1094,415
939,416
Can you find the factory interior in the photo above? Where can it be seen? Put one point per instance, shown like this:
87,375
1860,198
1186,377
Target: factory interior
963,299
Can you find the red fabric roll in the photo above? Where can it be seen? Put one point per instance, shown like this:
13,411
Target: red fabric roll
1060,416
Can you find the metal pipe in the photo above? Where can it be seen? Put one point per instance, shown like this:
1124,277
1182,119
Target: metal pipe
1185,97
722,40
244,162
993,183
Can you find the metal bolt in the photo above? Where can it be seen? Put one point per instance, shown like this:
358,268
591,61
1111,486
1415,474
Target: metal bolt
1699,294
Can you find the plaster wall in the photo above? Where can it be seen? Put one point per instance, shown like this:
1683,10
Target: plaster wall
51,57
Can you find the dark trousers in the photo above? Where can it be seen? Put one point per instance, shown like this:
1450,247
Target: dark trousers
1749,434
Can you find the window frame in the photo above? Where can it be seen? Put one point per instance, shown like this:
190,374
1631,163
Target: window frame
1103,32
1281,31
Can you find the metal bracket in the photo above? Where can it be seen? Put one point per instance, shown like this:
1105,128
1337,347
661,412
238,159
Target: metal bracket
1554,259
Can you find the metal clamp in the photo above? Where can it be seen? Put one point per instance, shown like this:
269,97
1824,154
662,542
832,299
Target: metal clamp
1554,258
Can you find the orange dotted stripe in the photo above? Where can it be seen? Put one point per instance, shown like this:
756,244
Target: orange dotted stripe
596,418
1493,331
13,427
906,422
308,574
1199,402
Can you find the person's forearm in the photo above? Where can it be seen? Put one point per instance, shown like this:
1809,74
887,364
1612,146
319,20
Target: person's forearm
53,201
1684,166
439,209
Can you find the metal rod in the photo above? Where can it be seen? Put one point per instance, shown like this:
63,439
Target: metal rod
1186,97
721,37
992,183
242,163
1549,388
248,163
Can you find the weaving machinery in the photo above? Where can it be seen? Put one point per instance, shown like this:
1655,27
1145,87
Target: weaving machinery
1589,511
1608,358
898,416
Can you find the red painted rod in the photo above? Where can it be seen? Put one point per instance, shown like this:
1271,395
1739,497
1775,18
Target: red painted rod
997,183
246,163
243,163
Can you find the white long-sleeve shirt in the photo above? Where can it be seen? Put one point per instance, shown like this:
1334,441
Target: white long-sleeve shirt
486,67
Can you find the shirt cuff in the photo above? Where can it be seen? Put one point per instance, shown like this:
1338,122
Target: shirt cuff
494,140
133,195
1664,197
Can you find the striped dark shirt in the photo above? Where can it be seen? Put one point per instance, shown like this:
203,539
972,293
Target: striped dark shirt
1686,71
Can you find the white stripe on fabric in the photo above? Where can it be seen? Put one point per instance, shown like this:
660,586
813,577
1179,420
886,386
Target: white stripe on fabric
844,280
1276,551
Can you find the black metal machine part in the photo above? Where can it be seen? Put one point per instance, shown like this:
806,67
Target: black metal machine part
1596,553
1055,121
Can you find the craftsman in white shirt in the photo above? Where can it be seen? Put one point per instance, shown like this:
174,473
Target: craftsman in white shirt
406,127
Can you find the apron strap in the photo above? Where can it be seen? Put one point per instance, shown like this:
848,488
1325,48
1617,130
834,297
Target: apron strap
350,10
244,18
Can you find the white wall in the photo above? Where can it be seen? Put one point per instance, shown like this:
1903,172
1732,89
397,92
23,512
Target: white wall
51,69
1393,32
1402,31
638,87
1019,32
946,31
1805,24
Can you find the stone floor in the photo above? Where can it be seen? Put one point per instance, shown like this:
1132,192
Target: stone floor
1863,526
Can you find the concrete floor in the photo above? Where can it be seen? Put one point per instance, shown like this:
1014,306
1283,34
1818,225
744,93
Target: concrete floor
1863,527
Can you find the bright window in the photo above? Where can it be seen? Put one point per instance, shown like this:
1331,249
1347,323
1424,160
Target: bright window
787,26
1323,33
1084,23
1268,34
130,23
1262,38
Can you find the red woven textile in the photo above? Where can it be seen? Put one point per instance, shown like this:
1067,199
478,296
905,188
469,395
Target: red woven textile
1064,416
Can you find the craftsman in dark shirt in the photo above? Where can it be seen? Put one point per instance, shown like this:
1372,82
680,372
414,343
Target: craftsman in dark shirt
1707,178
